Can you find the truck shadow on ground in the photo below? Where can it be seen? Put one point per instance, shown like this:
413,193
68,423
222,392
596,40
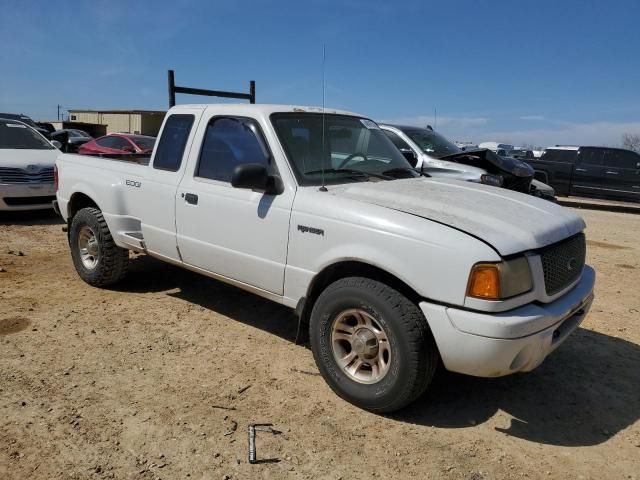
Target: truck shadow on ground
31,217
147,274
583,394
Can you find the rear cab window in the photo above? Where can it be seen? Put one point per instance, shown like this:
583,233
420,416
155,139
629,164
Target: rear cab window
172,142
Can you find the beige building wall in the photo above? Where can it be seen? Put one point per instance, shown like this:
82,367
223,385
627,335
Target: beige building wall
151,124
115,122
144,123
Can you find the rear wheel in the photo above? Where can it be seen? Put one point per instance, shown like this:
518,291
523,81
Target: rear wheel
372,344
98,260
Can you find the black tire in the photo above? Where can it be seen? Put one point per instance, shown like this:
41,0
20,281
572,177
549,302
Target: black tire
414,354
111,261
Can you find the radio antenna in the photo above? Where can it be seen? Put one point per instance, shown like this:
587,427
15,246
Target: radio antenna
323,188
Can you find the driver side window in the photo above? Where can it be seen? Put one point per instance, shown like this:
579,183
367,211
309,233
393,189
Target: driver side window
229,142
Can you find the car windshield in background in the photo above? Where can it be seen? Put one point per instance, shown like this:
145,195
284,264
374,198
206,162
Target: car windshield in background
14,135
520,154
432,143
344,148
20,118
144,143
79,133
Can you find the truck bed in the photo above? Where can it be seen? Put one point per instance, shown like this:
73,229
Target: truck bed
139,158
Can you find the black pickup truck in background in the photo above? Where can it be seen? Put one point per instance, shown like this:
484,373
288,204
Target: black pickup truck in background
590,172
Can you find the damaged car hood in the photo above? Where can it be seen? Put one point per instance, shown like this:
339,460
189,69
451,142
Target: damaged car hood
508,221
484,158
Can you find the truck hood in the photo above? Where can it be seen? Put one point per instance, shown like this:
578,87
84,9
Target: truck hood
21,158
510,222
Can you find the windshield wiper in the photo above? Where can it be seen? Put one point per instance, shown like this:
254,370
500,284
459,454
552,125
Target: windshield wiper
404,170
359,173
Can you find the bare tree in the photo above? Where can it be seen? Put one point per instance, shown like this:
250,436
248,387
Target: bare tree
631,141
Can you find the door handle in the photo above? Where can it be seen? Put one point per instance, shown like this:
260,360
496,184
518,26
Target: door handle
609,172
191,198
581,169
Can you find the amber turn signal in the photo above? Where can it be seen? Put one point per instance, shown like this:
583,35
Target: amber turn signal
484,282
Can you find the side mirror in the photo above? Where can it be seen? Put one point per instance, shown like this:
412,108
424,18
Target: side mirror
128,149
254,176
56,144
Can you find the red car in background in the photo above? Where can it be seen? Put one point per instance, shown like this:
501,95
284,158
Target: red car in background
118,143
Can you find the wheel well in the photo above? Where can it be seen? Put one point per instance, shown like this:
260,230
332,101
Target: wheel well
345,269
77,202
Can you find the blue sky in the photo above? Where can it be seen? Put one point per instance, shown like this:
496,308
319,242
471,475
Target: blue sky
540,72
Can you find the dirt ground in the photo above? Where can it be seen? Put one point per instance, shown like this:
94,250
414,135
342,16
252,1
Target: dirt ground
160,377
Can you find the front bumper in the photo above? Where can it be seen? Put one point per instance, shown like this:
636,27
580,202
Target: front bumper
494,345
26,196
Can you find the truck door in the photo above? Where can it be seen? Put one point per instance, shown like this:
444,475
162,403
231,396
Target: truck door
587,172
157,210
622,174
236,233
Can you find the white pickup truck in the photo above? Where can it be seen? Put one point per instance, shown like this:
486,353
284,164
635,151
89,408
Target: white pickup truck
394,273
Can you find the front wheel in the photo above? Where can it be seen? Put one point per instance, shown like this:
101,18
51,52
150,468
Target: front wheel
372,344
98,260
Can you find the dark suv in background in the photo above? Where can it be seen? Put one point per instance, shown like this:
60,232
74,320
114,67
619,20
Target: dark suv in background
590,171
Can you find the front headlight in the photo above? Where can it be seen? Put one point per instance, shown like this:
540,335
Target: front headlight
493,180
497,281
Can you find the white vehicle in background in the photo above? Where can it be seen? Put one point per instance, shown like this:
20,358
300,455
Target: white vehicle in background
26,167
501,149
466,145
393,273
436,156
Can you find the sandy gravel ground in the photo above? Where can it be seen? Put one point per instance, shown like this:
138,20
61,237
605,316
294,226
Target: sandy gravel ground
160,377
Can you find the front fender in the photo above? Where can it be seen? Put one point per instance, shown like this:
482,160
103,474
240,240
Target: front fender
431,258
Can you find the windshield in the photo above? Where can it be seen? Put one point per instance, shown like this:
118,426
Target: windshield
144,143
432,143
348,149
21,118
520,154
18,136
79,133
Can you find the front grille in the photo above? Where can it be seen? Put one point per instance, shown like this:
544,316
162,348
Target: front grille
21,175
23,201
562,263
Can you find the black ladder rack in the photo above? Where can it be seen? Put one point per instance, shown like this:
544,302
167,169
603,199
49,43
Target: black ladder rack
173,89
